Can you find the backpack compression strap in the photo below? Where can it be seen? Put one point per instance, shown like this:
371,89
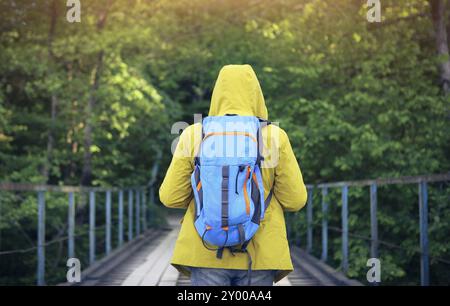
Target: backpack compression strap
199,188
225,179
268,199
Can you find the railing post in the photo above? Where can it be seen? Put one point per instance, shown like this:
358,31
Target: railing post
373,221
345,229
138,215
324,256
309,216
152,195
71,226
108,223
130,215
144,209
423,218
120,238
41,239
91,227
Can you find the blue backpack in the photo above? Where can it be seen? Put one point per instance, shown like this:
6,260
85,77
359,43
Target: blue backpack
227,182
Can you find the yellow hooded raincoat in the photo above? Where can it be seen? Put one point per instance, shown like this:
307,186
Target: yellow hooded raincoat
237,91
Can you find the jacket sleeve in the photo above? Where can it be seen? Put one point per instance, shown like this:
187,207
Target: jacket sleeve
176,190
289,188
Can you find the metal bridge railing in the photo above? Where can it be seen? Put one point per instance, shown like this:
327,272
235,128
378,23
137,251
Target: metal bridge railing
137,218
421,181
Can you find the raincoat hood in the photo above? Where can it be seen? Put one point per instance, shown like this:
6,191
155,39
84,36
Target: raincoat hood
237,91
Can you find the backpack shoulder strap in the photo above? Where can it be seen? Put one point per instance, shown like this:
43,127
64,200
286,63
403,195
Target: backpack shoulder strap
268,199
263,123
197,158
264,120
259,140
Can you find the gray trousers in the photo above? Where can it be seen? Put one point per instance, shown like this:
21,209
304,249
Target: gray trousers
230,277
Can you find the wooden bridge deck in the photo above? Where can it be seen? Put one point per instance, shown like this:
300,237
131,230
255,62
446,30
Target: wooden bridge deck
145,261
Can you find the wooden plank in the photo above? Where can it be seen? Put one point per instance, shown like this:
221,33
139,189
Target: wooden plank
321,272
145,272
183,280
170,277
100,269
162,262
320,276
130,261
284,282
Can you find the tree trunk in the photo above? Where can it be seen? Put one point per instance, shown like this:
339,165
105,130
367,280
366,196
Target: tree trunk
86,177
50,138
54,99
438,17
